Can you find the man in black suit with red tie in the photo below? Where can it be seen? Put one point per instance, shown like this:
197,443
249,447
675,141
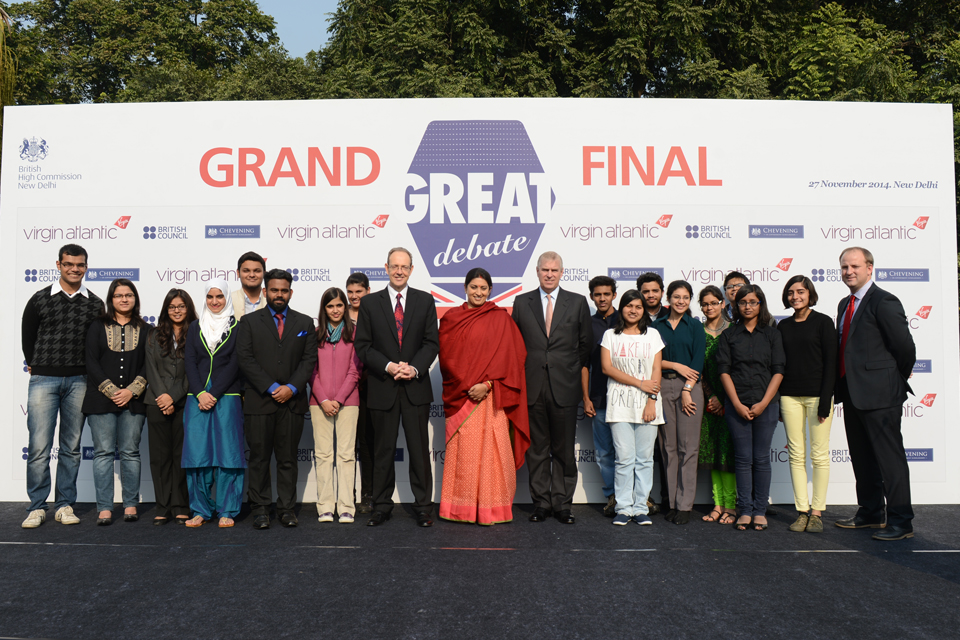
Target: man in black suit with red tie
397,340
276,351
876,357
558,333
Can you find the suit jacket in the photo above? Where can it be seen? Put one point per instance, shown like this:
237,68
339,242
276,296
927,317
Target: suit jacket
219,365
564,353
376,344
239,302
880,352
266,358
165,374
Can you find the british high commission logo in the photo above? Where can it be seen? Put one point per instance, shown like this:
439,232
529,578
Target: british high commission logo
477,196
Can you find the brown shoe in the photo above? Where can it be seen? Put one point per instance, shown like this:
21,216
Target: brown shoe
801,523
815,524
611,509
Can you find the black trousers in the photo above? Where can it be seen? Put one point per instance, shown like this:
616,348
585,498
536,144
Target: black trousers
365,448
386,425
165,435
550,458
277,434
879,462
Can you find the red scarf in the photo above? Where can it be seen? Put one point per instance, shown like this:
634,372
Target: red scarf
479,344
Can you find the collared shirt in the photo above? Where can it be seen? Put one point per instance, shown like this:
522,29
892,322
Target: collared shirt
751,359
250,307
56,288
403,297
598,381
686,344
856,308
543,300
664,311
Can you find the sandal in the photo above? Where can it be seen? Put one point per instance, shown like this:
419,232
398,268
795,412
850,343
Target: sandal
714,518
195,521
727,518
743,526
760,526
225,523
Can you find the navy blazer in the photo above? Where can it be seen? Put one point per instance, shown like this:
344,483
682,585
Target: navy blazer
218,365
880,352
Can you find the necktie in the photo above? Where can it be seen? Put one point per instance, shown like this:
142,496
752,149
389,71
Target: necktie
398,315
279,317
847,318
549,317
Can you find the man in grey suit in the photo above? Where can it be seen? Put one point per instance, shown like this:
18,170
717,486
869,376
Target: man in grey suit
556,328
875,359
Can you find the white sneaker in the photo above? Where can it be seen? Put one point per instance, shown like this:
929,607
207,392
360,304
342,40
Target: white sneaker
35,519
65,515
346,518
325,517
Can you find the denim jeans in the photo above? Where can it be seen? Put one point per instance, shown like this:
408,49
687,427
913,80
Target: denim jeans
116,432
603,447
48,396
751,453
633,478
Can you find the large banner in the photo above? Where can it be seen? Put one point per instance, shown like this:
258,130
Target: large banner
172,194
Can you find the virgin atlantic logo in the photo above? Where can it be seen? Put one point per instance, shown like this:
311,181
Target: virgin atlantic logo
924,312
784,265
122,222
921,222
664,220
928,399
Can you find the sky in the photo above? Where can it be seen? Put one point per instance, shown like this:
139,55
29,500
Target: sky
301,24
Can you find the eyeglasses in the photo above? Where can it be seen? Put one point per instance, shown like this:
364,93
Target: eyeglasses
399,267
121,296
179,307
733,287
749,303
710,304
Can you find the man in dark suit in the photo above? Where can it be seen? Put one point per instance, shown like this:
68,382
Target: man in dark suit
397,340
876,358
558,333
276,350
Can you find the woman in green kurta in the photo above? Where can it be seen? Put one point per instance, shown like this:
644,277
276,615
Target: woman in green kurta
716,447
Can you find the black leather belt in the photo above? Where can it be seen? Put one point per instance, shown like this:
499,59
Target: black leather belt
670,374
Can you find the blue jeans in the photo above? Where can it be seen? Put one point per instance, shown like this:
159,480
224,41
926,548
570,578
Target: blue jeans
603,447
48,396
114,432
634,467
751,454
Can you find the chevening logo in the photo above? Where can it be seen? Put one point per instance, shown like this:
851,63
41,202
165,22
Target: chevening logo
921,222
232,231
476,194
786,231
919,455
784,265
100,275
34,150
664,220
923,366
903,275
632,273
928,399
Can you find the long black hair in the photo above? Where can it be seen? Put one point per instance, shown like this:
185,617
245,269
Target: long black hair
764,317
681,284
164,332
110,314
629,296
329,295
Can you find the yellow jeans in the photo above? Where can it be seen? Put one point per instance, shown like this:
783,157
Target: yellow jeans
797,413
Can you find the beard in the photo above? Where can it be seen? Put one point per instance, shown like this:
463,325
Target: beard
278,305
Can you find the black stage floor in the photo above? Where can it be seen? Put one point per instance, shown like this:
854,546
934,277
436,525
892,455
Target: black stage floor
517,580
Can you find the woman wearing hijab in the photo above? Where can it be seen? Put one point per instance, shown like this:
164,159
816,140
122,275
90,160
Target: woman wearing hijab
482,359
213,420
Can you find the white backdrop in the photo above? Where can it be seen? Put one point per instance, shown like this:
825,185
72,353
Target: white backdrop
172,194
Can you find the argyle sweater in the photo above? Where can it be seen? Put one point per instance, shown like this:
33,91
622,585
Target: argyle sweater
54,332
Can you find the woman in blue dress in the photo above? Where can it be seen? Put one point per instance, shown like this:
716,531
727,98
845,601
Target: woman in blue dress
213,420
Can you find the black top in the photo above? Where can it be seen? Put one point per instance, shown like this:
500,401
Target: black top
218,366
811,350
116,359
751,359
53,332
165,373
598,381
684,345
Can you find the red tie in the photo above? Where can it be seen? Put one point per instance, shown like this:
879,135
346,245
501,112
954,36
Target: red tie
398,315
279,317
847,318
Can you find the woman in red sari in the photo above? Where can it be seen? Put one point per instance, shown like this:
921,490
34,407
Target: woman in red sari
485,400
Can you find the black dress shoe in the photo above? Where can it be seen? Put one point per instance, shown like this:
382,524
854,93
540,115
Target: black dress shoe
180,521
378,518
261,522
671,514
104,522
564,517
365,505
159,522
539,515
288,519
130,517
893,532
423,520
859,522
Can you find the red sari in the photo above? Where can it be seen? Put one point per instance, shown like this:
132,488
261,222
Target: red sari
483,452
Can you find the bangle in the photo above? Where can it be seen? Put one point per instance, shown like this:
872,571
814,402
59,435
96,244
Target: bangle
688,387
488,385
